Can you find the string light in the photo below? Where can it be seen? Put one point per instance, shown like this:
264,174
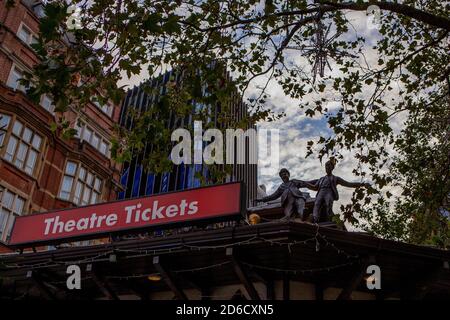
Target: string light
295,271
65,281
222,246
53,263
217,265
339,251
150,252
146,252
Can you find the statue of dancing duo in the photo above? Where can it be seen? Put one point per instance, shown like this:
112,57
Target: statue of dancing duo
293,200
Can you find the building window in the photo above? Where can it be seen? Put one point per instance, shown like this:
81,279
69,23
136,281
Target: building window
14,76
26,35
106,108
23,147
86,133
47,103
4,124
10,205
80,185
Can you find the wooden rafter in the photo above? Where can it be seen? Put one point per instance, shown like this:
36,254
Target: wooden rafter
104,286
168,279
41,285
354,281
417,290
138,290
270,288
286,287
242,275
319,290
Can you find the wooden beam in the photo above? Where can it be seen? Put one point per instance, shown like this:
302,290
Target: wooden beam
354,281
137,290
191,282
258,276
169,280
104,286
242,275
421,287
41,285
197,284
267,281
7,285
205,293
286,287
60,283
270,287
319,289
427,283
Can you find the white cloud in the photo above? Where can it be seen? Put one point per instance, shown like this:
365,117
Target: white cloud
296,128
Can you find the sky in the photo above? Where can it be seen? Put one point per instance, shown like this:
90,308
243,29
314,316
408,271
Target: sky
296,129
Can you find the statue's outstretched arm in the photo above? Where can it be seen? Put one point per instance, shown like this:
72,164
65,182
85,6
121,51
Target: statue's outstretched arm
310,184
273,196
348,184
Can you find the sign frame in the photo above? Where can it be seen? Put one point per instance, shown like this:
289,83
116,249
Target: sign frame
232,216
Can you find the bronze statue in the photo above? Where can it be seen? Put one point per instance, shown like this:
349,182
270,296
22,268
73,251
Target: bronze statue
292,199
327,191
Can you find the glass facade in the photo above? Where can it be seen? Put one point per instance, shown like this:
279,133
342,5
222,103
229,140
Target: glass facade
136,181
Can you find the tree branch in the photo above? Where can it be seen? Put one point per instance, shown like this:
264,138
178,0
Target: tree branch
403,9
259,19
283,45
329,6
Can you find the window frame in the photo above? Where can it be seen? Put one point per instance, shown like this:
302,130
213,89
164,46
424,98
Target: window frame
81,126
84,185
31,37
18,86
4,131
52,106
109,107
6,226
19,140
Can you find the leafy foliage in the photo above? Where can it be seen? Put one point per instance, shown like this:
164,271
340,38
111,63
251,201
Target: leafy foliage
393,114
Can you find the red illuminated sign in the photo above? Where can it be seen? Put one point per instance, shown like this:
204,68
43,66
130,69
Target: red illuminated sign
129,215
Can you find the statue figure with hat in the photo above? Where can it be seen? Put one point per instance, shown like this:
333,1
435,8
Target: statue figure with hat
327,191
292,199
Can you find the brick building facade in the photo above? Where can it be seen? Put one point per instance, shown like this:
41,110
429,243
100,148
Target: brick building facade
38,170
